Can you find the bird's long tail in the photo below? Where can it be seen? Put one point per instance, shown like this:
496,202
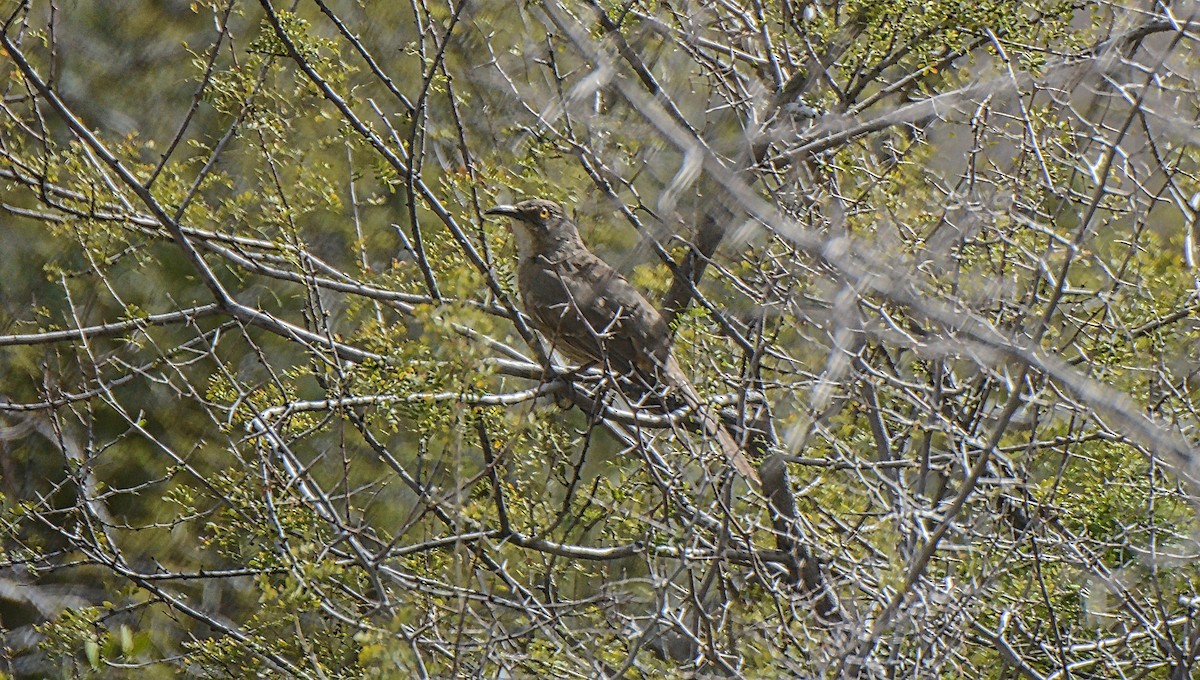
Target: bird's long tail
713,427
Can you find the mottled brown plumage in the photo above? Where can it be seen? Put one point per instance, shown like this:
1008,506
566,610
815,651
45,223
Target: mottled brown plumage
591,314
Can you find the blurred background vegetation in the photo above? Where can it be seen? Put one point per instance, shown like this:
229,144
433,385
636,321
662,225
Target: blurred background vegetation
268,406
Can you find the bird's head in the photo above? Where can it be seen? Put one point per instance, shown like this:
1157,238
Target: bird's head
540,227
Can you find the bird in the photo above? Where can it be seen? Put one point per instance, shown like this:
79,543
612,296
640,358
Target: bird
593,315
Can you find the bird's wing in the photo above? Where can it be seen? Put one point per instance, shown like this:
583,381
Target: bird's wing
589,310
650,352
604,314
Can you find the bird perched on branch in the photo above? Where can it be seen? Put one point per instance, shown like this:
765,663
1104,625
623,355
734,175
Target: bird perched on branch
592,315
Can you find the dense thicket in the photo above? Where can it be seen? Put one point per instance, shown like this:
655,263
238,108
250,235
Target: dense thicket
269,406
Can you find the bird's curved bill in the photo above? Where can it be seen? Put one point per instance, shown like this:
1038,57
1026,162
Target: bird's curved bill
506,210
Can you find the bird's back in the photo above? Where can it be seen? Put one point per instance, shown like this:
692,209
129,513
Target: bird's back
617,325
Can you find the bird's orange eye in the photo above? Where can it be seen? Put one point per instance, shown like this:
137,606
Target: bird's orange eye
544,213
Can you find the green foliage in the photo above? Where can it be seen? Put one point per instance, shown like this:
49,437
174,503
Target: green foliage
82,649
375,490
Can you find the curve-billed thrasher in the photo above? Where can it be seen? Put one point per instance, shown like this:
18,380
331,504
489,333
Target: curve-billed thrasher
591,314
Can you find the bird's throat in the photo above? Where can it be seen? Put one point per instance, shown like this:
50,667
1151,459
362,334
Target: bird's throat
526,248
